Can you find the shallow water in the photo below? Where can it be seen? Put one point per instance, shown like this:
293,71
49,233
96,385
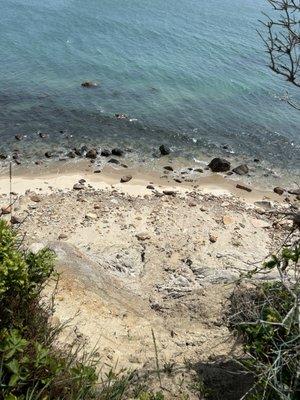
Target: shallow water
189,74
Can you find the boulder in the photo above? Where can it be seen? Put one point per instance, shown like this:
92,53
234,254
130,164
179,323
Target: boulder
241,169
92,154
117,152
219,165
164,150
125,179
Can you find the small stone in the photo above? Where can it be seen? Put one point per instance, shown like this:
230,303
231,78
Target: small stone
114,161
259,223
117,152
168,168
241,169
227,220
97,171
35,198
78,186
48,154
91,216
43,135
278,190
151,187
3,156
192,204
200,170
125,179
19,137
164,150
264,204
169,192
143,236
16,220
6,210
213,238
242,187
62,236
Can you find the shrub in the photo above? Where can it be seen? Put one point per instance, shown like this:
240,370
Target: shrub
268,318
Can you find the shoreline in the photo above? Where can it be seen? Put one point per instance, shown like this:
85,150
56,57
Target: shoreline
62,176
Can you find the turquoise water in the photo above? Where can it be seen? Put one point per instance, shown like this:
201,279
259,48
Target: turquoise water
191,74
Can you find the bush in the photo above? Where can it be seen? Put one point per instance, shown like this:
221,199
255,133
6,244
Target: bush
268,318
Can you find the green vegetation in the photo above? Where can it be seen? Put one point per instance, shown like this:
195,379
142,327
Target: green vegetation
268,318
32,364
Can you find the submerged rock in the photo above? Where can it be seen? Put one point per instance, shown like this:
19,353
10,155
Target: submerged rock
219,165
164,150
19,137
117,152
89,84
241,169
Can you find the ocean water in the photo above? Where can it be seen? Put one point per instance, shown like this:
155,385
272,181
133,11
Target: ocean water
191,74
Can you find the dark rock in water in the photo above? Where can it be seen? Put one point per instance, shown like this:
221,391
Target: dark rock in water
19,137
124,165
256,160
125,179
38,162
117,152
89,84
48,154
105,153
278,190
241,169
43,135
168,168
15,156
113,161
121,116
219,165
296,192
92,153
151,187
242,187
3,156
71,154
164,150
199,170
